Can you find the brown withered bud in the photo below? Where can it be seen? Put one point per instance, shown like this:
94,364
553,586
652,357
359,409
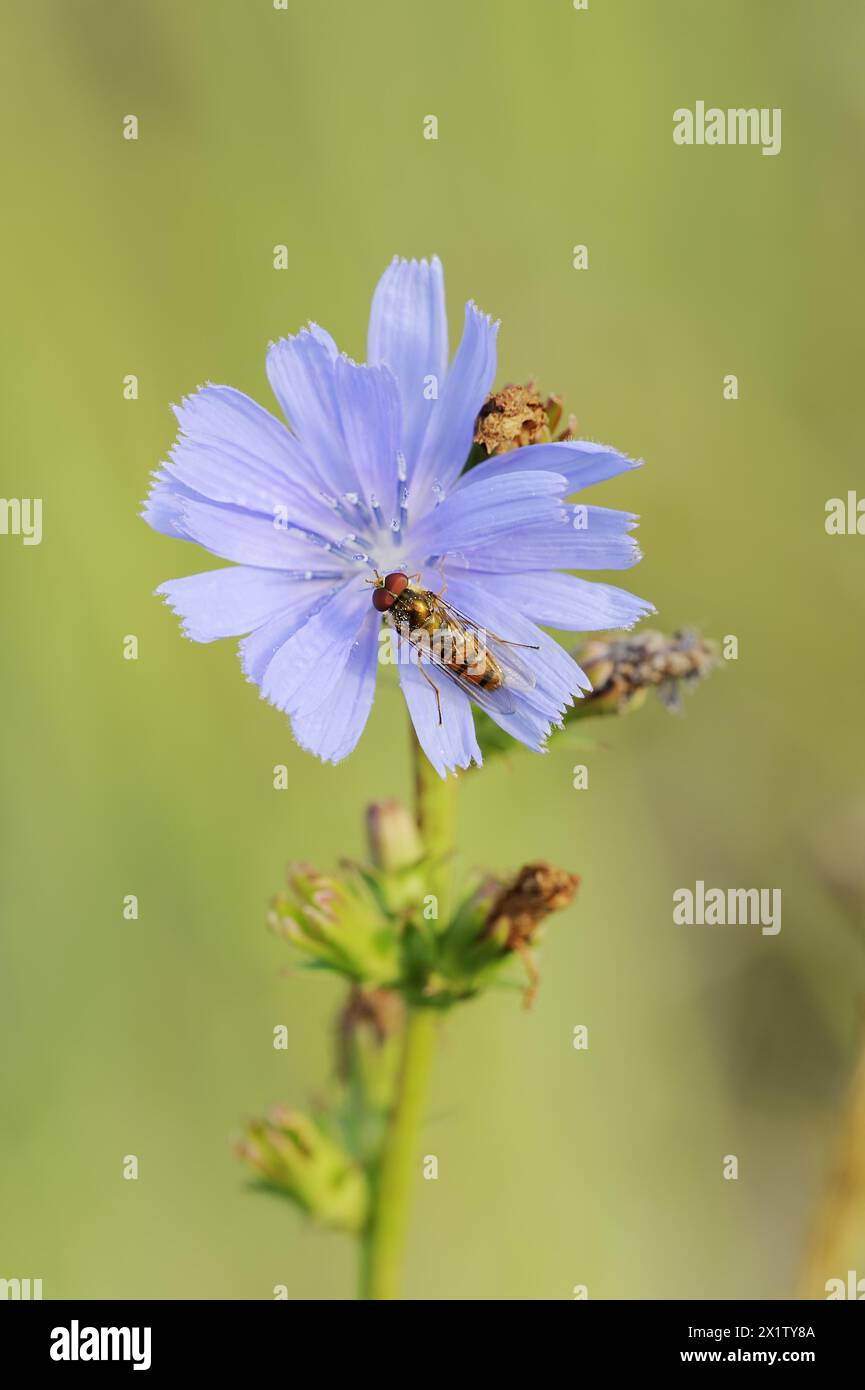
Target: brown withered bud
377,1012
622,670
522,905
511,418
517,416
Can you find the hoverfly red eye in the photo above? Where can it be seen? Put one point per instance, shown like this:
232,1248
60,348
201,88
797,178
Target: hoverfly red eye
382,600
395,583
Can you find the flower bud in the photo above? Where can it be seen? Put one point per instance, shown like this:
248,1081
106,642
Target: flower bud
394,838
292,1153
339,922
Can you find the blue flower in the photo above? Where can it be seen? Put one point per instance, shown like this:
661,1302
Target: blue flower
370,477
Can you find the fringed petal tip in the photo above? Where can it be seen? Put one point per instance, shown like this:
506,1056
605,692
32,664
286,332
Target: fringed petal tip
206,385
444,771
647,610
163,592
310,329
416,263
306,746
474,310
628,464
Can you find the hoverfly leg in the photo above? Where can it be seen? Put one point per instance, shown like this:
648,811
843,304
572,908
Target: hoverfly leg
441,569
506,642
429,678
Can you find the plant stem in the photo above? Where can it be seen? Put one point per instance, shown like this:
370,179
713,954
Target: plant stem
384,1243
435,807
383,1255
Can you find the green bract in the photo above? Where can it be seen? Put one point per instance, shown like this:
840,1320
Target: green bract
296,1157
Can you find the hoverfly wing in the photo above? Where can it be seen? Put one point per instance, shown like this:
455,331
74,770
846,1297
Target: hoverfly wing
500,701
516,670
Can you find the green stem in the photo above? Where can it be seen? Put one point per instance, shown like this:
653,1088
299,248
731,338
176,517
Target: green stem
385,1238
435,804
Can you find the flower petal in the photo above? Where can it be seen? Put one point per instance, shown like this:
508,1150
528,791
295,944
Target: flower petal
449,434
498,508
369,412
332,729
581,462
526,725
307,667
582,538
163,507
260,647
559,678
250,538
408,331
302,373
452,743
230,449
569,603
229,602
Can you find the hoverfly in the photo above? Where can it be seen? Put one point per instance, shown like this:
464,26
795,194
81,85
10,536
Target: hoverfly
481,663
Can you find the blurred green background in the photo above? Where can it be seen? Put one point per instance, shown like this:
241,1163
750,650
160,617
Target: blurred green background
154,777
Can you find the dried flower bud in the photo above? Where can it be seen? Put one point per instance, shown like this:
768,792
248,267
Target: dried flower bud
515,417
522,905
623,669
511,418
516,914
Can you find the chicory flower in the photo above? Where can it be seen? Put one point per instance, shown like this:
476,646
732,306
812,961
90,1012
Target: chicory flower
370,477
